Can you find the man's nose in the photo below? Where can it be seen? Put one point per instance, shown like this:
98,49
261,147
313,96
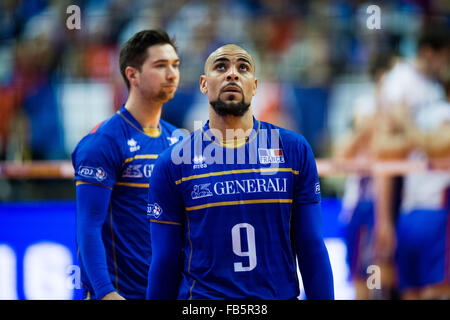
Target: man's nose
232,75
172,73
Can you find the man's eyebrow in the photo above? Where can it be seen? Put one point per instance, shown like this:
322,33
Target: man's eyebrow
221,59
245,60
165,60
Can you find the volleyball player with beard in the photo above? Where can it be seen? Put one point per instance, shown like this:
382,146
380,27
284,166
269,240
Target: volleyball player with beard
236,203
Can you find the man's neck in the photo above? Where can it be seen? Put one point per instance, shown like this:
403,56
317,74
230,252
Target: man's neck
147,113
231,127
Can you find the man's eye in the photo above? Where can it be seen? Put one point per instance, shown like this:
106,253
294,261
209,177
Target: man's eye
243,67
220,67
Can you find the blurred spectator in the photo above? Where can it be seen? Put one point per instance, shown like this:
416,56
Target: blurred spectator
303,48
358,207
412,102
35,75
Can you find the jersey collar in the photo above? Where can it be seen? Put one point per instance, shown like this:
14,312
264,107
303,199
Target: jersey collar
126,115
209,134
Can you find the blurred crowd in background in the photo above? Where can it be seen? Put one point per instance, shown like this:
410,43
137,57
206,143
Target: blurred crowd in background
311,57
353,91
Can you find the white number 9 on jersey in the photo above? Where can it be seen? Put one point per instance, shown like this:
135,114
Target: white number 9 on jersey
237,246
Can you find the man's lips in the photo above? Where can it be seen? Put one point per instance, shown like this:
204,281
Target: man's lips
232,88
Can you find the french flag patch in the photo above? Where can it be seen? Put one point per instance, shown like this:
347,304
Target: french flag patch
267,156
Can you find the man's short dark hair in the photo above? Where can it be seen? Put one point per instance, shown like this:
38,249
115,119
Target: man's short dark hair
380,62
134,52
435,36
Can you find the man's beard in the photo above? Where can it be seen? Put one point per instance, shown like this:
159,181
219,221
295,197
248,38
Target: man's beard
237,109
164,96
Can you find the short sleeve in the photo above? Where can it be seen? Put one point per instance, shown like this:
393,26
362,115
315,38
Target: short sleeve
165,203
96,160
307,184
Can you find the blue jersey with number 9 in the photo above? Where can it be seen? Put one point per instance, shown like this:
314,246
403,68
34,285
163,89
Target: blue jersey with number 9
235,205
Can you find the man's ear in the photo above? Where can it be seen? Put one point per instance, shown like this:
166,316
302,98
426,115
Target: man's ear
255,86
203,84
132,75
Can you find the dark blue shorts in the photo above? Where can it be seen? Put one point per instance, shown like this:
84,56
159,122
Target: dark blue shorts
358,238
423,248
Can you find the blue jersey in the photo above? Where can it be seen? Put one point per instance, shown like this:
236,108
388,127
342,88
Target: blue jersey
235,205
119,154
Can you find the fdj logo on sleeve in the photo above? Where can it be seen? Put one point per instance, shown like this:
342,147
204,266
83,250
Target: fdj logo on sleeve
154,210
89,172
317,188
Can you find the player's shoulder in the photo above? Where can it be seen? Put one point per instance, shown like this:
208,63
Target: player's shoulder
178,155
181,148
111,127
105,134
287,136
165,125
